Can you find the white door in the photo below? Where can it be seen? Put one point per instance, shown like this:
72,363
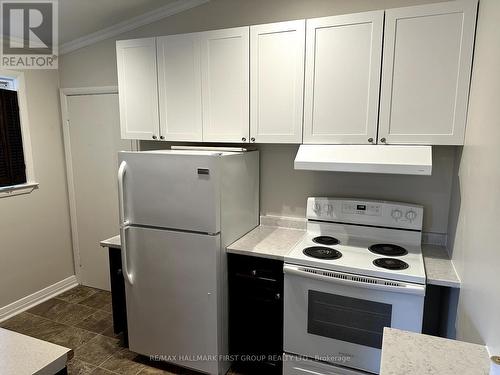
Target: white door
343,60
172,300
179,84
277,82
138,88
172,189
426,73
225,84
93,130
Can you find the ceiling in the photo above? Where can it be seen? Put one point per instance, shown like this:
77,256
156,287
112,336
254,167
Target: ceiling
78,18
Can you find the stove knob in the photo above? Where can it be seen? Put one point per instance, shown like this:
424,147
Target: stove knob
329,210
396,214
317,208
411,215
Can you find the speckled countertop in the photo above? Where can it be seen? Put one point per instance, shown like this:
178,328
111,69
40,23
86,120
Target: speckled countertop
267,242
113,242
21,354
276,236
409,353
438,267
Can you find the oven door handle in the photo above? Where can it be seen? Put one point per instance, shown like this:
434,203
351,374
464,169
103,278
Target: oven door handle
353,280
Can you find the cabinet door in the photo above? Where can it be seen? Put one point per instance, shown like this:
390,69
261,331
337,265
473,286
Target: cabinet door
426,73
277,82
225,85
343,60
179,83
138,89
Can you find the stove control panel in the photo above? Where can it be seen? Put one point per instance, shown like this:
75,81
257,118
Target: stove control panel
376,213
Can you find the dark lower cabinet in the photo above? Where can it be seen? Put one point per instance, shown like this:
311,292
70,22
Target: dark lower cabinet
256,313
118,293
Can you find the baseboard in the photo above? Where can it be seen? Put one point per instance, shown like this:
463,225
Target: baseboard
36,298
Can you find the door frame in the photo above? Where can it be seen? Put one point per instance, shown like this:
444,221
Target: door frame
64,93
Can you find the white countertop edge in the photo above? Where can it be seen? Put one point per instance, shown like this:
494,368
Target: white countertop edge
44,357
113,242
54,367
444,283
254,254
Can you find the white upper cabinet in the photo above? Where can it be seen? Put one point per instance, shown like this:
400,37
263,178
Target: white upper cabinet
277,82
343,62
138,90
426,73
179,85
225,85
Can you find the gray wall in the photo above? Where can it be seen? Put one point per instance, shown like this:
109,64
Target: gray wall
96,65
475,206
35,246
284,190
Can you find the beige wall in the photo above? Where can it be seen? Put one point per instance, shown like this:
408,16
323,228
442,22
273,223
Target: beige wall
474,217
35,242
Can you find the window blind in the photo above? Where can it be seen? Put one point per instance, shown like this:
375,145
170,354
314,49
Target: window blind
12,166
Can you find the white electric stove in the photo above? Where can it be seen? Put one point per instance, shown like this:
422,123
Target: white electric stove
358,269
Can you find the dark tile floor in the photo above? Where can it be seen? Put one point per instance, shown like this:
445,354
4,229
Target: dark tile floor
81,319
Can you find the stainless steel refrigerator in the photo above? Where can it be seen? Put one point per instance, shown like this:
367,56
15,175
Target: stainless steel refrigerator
179,209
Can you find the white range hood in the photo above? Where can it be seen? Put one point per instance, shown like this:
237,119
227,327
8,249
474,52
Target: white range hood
414,160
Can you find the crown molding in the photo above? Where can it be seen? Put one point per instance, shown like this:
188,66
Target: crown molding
130,24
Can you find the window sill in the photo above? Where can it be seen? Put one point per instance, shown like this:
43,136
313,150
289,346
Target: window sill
9,191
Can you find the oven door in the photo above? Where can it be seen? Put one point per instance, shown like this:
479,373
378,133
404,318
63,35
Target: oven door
339,318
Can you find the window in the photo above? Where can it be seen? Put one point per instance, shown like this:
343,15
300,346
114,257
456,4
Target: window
12,166
7,83
16,163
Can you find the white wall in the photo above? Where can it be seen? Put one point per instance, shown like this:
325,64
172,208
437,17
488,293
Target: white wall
35,242
475,205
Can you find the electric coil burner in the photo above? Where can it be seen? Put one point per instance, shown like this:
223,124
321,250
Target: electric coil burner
321,252
388,250
326,240
391,264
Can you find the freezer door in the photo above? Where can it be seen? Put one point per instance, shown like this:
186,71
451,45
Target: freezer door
172,296
171,190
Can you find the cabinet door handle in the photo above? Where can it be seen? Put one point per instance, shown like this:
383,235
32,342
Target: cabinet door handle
254,272
244,139
277,296
154,137
370,140
383,140
252,139
162,137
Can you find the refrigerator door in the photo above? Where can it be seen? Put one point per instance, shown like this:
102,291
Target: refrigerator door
172,295
171,189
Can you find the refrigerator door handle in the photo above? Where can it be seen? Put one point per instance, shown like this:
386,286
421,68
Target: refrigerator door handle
123,223
126,275
121,201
